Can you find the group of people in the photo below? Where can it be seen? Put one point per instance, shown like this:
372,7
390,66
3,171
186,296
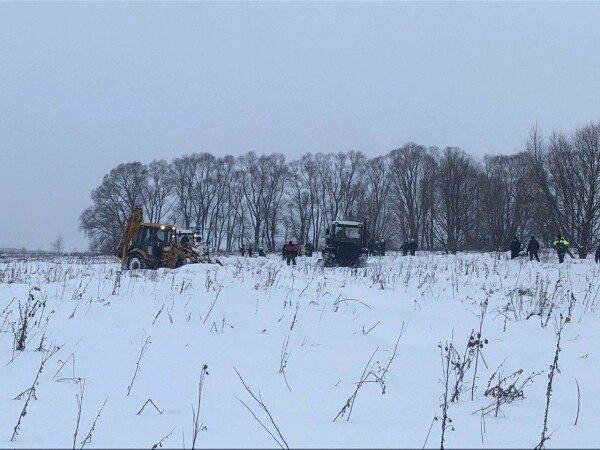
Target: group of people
560,244
250,251
246,250
409,246
533,248
289,252
377,248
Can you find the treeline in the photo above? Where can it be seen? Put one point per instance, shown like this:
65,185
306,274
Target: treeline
443,198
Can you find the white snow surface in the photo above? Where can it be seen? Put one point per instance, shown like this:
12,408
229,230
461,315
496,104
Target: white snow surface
99,318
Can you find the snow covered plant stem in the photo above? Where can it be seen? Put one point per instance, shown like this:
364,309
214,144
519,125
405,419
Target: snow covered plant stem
196,411
446,357
137,366
479,346
212,305
31,392
79,398
159,444
363,378
27,315
371,375
553,368
88,436
285,355
272,429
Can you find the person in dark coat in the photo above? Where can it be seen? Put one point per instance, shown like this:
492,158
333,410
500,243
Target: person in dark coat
291,251
515,248
250,250
382,248
412,247
156,244
376,249
371,247
243,250
309,249
562,247
533,247
261,252
597,255
404,248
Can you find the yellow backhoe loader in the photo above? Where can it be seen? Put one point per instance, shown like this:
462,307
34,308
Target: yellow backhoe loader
151,245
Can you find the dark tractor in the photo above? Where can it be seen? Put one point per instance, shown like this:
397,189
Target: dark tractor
345,245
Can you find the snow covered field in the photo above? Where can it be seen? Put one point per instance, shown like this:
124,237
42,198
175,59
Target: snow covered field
302,339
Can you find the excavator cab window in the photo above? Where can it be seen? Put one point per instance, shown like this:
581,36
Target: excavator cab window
149,236
163,236
142,236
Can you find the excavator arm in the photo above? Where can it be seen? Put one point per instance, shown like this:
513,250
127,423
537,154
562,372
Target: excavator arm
131,229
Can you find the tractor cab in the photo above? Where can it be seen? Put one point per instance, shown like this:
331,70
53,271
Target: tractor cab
151,233
186,238
345,244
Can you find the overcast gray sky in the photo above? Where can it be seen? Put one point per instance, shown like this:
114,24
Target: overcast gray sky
86,86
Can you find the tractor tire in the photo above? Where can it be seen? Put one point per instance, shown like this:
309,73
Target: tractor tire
135,262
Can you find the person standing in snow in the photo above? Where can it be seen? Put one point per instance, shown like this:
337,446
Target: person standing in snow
371,247
291,251
515,248
404,248
250,250
533,247
412,247
376,248
562,247
597,255
243,250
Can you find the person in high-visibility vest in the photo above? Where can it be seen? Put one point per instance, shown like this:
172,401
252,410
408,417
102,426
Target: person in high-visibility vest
562,247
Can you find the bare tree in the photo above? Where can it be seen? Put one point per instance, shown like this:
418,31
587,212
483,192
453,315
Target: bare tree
299,200
156,191
456,196
57,245
274,196
112,202
376,199
506,200
567,173
408,170
439,198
